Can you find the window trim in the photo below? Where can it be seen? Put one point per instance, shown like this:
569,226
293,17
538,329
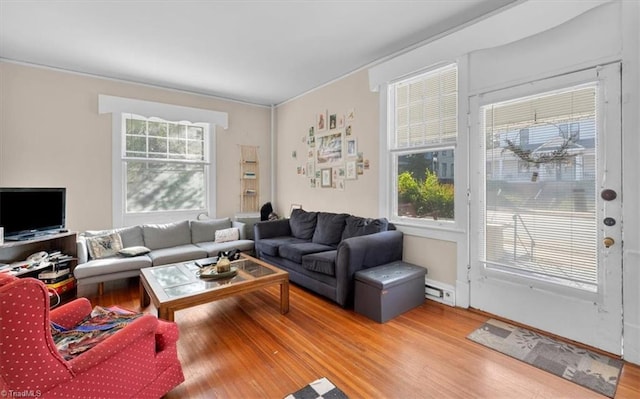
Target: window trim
119,105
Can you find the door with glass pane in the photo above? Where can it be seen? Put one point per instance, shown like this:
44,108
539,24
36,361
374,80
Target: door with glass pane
546,206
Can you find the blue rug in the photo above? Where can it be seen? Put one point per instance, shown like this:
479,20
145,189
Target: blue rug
592,370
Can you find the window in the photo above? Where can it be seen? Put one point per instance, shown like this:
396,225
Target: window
423,131
166,165
540,210
161,150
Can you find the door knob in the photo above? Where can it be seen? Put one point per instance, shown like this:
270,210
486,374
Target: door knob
608,241
608,195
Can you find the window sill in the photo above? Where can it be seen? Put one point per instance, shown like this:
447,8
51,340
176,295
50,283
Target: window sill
445,232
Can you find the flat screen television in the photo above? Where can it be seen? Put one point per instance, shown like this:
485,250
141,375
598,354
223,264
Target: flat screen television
29,212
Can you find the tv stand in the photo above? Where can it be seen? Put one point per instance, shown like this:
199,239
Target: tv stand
18,251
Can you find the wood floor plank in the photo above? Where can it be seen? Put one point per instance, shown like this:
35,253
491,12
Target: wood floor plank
242,347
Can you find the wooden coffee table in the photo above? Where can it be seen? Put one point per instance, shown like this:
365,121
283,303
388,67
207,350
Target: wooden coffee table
178,286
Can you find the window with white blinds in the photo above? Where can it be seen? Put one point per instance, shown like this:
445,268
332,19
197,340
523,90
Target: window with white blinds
426,109
423,114
166,164
540,186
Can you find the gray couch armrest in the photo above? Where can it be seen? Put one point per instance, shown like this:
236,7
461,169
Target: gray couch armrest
271,228
242,227
363,252
83,251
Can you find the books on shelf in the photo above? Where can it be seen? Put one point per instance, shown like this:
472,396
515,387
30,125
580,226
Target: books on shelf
52,276
63,286
57,257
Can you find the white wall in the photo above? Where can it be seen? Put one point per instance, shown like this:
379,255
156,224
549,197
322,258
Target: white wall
293,121
52,135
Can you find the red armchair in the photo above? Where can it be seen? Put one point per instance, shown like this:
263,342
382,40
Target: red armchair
139,361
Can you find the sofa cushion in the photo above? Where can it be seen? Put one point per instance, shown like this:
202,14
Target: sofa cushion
302,223
205,230
321,262
329,228
359,226
175,254
99,267
295,252
104,246
130,236
167,235
270,246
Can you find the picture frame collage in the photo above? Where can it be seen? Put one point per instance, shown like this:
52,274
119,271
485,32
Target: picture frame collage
332,151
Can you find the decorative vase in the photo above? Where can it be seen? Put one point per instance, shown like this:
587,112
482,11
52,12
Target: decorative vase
223,265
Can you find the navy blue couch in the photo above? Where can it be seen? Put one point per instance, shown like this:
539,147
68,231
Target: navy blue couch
322,250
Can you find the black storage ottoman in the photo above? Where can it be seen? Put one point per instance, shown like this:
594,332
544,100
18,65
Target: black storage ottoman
384,292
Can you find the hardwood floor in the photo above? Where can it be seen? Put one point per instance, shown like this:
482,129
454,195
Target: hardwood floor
242,347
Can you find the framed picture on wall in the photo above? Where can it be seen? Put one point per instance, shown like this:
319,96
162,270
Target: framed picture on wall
350,170
333,121
352,148
321,121
329,148
325,176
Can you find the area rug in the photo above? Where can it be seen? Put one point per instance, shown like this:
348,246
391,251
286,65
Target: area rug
592,370
318,389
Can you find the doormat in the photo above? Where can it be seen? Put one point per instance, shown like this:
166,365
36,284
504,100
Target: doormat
592,370
318,389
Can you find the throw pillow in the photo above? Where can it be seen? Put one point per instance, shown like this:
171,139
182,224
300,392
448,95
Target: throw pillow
130,236
225,235
359,226
302,223
104,246
134,251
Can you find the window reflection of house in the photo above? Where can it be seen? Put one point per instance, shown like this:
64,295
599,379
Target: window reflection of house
502,164
440,162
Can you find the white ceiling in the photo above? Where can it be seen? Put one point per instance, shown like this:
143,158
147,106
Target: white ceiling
258,51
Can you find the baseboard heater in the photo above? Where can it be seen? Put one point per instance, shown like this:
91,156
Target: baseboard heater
439,292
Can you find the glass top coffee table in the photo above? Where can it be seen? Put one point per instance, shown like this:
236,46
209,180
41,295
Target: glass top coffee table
178,286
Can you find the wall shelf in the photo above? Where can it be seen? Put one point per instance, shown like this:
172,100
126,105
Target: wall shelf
249,179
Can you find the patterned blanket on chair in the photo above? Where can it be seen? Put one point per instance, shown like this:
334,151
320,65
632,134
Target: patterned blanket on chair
95,328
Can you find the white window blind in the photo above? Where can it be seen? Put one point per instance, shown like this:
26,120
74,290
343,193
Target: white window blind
426,108
540,194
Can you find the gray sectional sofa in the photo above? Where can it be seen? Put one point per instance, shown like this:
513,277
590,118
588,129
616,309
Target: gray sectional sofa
120,253
323,250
